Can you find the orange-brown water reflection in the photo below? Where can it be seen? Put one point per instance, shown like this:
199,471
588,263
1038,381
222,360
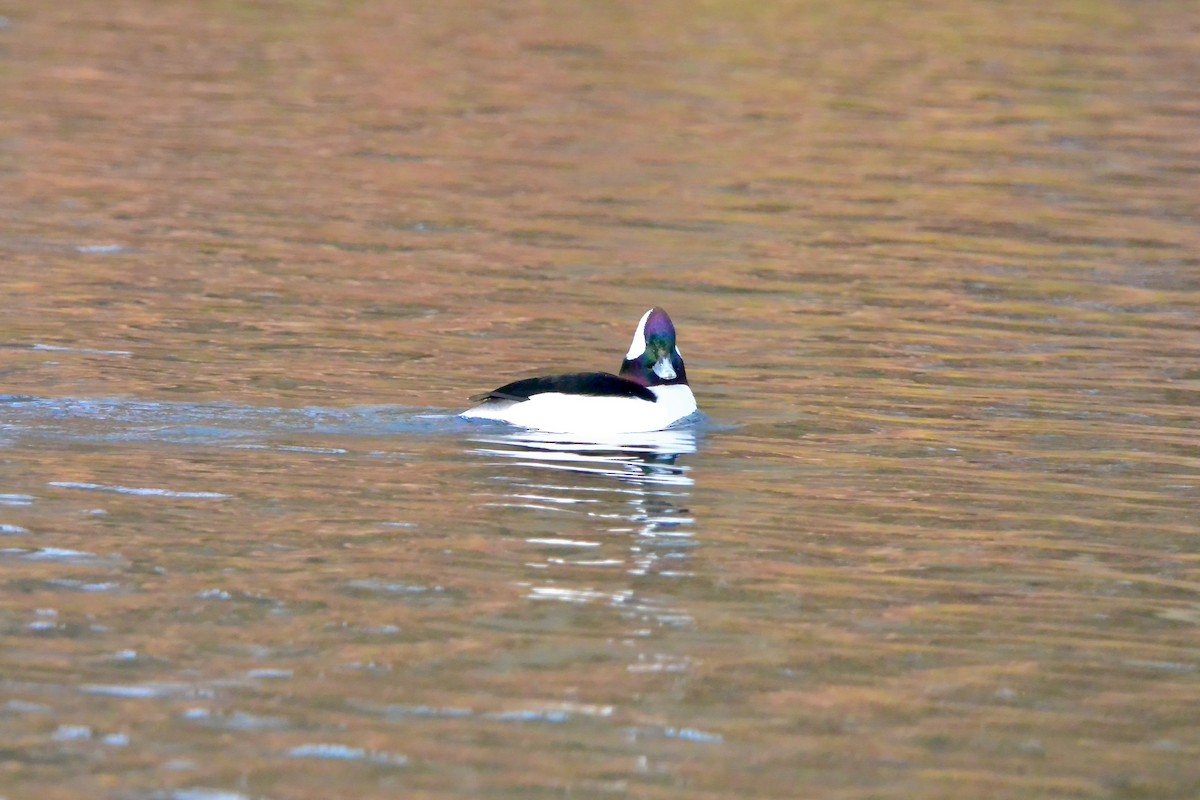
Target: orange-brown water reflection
934,272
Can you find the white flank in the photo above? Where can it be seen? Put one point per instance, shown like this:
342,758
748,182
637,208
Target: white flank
556,412
638,345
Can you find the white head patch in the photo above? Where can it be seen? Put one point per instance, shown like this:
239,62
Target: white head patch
638,346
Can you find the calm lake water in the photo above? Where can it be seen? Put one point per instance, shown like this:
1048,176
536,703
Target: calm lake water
936,271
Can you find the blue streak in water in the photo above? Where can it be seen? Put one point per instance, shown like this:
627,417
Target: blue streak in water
83,419
96,487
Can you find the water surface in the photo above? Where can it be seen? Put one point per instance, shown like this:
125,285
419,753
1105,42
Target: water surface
935,274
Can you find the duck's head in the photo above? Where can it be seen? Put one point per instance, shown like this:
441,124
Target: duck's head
653,359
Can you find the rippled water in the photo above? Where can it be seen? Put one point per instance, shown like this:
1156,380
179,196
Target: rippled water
934,269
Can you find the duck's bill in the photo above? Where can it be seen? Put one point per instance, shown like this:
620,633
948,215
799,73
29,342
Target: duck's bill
663,368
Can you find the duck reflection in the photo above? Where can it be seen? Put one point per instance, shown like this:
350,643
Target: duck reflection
620,500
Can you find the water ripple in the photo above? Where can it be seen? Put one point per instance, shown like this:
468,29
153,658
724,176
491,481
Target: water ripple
340,752
141,492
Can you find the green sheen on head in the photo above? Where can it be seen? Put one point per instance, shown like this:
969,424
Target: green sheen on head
653,359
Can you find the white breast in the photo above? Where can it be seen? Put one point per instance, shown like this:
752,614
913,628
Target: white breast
573,413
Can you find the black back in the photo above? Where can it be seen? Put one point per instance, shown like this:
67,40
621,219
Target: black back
598,384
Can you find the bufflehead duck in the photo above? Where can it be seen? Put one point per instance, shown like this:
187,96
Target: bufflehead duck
650,393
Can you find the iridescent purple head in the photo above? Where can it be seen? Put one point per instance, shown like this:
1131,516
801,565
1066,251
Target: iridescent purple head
653,358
